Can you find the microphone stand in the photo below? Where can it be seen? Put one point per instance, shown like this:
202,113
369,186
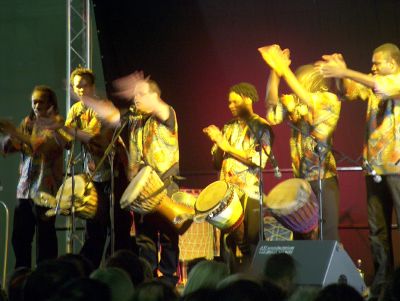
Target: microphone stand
71,222
111,156
320,150
110,153
321,157
271,156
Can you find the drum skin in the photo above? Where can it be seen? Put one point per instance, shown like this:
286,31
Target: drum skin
85,197
146,193
220,205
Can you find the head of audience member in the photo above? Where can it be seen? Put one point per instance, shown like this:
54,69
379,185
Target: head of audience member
16,282
240,287
42,99
205,274
386,60
83,264
342,292
392,289
304,293
130,263
82,289
117,280
273,292
280,269
201,295
82,82
312,80
193,262
155,290
147,96
48,277
147,270
241,98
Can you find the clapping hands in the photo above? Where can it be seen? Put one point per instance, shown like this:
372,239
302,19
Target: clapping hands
276,58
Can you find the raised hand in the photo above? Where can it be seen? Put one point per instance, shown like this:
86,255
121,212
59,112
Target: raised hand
125,86
276,58
332,65
105,110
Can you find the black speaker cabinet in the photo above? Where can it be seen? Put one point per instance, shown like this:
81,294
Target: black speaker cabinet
319,262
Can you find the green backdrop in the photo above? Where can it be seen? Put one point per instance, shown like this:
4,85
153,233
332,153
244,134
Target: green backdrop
32,52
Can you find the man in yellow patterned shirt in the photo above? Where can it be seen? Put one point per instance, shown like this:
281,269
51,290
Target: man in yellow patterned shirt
83,124
152,141
236,154
313,113
381,91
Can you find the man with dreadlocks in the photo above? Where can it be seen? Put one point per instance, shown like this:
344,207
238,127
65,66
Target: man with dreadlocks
41,167
236,154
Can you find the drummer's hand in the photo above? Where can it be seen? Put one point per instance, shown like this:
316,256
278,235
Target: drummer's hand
289,102
7,127
50,122
104,109
214,133
125,86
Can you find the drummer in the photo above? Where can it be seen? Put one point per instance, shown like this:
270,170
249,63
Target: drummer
41,169
83,125
153,141
313,113
236,155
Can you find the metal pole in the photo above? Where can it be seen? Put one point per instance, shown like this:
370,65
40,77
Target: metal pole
88,39
67,79
5,244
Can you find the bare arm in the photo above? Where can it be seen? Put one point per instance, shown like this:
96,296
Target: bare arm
296,87
279,61
362,78
334,66
272,89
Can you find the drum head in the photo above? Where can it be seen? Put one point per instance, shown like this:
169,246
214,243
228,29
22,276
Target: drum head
135,187
79,188
288,194
211,196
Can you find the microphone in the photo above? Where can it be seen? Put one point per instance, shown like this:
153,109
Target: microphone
368,168
277,172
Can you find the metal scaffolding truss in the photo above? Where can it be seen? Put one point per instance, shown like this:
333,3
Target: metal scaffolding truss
79,39
79,53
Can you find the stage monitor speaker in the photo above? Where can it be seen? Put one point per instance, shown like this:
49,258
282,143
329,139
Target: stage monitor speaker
319,262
